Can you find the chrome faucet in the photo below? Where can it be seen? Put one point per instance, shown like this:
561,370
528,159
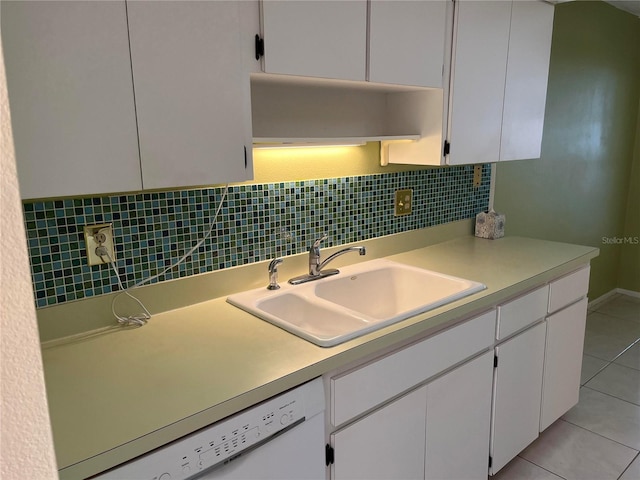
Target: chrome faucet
316,265
273,274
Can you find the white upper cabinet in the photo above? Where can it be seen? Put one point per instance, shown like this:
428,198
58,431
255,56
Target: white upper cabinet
382,41
525,93
71,98
71,89
481,43
392,54
407,42
192,94
499,77
315,38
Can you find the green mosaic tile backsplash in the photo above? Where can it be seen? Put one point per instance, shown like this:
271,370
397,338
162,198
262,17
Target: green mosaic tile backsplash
257,222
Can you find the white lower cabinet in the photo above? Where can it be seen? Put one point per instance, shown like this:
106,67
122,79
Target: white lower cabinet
565,341
388,444
563,362
517,392
422,411
462,403
439,431
364,388
458,422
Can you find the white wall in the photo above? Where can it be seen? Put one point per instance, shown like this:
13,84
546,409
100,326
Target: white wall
26,445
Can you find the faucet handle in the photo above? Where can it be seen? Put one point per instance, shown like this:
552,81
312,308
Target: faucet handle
317,243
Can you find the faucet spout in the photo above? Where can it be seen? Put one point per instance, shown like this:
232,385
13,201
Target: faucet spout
316,265
360,250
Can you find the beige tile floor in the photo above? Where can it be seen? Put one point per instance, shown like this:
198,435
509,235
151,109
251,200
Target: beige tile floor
598,439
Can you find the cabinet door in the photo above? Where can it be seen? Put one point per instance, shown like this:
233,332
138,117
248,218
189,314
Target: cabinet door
481,40
192,94
71,97
388,444
407,42
562,362
315,39
458,422
361,390
525,92
517,393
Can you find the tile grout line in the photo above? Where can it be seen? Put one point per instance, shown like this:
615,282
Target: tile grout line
600,435
611,395
617,317
625,351
543,468
609,362
625,470
598,372
635,342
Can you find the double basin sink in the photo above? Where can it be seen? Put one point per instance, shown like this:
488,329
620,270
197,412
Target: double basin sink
360,299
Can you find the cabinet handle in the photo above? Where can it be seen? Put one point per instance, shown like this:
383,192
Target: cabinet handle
245,157
259,47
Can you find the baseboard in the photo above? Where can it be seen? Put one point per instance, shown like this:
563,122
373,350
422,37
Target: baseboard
593,304
630,293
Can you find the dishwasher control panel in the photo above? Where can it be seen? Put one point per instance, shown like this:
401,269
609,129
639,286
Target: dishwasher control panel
219,443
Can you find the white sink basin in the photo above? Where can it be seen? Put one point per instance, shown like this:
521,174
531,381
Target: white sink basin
320,321
387,289
360,299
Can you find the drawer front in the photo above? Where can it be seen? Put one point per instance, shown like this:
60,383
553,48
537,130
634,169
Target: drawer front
525,310
357,391
568,289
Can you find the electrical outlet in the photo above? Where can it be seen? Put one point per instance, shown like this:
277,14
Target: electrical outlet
95,236
403,202
477,175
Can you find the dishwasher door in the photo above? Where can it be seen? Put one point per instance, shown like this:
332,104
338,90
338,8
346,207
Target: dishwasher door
297,454
281,438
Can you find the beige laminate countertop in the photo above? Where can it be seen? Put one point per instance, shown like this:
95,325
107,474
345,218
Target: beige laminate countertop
120,394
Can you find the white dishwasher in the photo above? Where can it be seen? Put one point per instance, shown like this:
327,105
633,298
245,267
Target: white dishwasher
281,438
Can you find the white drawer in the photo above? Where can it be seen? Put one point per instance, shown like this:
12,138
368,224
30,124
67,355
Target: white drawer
357,391
568,289
525,310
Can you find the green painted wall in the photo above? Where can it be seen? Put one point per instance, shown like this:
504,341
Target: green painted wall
578,191
629,276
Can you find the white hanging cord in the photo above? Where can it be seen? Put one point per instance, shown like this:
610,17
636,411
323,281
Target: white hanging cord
142,318
139,319
195,247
